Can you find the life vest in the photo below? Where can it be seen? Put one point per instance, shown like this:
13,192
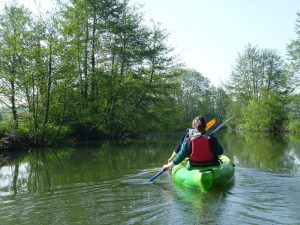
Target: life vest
202,154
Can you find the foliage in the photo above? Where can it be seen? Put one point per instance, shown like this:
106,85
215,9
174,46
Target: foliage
258,87
196,96
294,56
257,71
265,114
93,64
294,113
221,102
95,69
294,68
4,128
14,39
294,126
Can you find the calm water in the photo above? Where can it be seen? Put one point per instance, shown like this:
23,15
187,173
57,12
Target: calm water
107,183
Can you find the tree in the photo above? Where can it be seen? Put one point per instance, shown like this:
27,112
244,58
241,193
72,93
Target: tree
257,72
221,102
294,113
259,81
294,69
294,55
195,95
267,113
14,42
121,68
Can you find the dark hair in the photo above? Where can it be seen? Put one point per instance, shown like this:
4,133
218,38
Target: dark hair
200,123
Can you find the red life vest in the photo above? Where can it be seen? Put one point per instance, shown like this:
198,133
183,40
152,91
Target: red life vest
202,154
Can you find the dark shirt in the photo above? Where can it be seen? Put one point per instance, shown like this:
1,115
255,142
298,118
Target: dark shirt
185,136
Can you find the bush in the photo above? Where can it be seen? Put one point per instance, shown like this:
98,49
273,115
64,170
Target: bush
265,114
4,128
294,126
43,136
5,125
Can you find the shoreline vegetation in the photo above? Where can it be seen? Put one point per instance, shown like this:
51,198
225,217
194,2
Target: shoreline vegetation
94,70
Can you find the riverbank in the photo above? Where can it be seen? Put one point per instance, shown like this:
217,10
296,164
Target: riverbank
19,142
10,142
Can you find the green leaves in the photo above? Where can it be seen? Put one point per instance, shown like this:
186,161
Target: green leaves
259,88
96,65
266,114
257,71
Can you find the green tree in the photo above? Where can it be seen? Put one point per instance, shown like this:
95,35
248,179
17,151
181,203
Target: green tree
195,95
14,42
257,72
294,68
121,66
294,55
42,81
259,82
294,113
267,113
221,102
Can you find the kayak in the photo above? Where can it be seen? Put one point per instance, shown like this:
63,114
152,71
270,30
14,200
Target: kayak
204,178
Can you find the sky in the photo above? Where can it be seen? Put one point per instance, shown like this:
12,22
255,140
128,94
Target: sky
208,35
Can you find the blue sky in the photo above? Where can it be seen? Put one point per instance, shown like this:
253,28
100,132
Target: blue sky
209,34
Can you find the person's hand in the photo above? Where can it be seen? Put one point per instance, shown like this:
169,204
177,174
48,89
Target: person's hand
168,166
169,160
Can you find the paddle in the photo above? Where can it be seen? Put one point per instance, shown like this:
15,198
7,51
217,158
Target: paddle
221,125
208,125
156,175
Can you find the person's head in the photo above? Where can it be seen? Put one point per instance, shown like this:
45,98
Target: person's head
199,123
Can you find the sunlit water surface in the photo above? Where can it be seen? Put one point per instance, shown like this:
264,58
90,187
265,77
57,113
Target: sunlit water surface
107,183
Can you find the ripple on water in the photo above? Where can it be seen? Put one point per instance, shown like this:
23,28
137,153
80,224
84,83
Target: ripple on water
257,197
262,197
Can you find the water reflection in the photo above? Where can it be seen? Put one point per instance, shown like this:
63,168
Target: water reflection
268,153
107,183
41,170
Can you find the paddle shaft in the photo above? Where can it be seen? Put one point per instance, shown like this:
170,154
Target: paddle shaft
156,175
221,125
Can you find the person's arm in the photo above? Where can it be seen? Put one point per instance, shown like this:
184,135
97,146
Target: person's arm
182,154
172,156
178,147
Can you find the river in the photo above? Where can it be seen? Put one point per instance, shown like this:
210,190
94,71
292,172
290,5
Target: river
107,183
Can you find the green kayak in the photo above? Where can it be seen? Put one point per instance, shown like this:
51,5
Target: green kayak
204,178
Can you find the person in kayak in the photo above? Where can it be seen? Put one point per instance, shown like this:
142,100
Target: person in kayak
202,149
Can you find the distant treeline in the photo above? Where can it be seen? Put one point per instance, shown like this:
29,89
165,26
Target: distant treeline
95,69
